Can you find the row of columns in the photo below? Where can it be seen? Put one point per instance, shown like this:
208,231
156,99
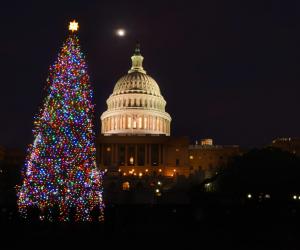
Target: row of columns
113,149
146,122
136,103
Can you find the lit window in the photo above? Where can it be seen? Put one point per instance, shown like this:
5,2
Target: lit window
126,185
134,124
123,122
140,122
145,122
129,122
131,160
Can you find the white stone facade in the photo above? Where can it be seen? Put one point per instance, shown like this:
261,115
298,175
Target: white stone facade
136,105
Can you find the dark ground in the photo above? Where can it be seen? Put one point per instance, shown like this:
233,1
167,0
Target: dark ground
248,226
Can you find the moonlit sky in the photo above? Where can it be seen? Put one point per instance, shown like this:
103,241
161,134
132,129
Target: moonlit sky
229,70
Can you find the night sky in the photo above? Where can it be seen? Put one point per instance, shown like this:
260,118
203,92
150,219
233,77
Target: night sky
229,70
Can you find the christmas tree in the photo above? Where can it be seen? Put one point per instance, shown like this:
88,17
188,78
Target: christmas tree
60,170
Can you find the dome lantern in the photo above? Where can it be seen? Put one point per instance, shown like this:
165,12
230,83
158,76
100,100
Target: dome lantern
137,61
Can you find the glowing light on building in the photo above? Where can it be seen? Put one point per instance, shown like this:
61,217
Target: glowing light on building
206,142
131,160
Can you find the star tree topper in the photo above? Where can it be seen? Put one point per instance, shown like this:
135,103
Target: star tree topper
73,26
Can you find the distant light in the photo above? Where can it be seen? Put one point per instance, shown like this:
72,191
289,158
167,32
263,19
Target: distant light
124,174
140,174
119,170
159,170
295,197
174,170
158,183
146,170
105,170
121,32
191,157
298,197
249,196
157,190
267,196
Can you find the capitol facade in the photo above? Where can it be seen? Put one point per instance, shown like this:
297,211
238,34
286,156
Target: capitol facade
136,141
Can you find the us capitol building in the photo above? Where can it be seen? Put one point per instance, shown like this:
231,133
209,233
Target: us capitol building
136,136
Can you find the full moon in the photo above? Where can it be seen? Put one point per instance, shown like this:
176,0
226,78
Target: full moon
120,32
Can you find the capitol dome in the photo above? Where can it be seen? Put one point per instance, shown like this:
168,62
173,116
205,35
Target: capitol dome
136,105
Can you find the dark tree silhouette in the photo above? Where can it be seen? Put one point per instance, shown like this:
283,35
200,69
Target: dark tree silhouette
267,170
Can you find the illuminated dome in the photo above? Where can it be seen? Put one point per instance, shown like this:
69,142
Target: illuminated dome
136,82
136,105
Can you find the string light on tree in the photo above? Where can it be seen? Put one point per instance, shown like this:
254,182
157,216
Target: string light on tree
60,170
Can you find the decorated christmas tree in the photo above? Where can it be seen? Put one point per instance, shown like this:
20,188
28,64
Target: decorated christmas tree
60,173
